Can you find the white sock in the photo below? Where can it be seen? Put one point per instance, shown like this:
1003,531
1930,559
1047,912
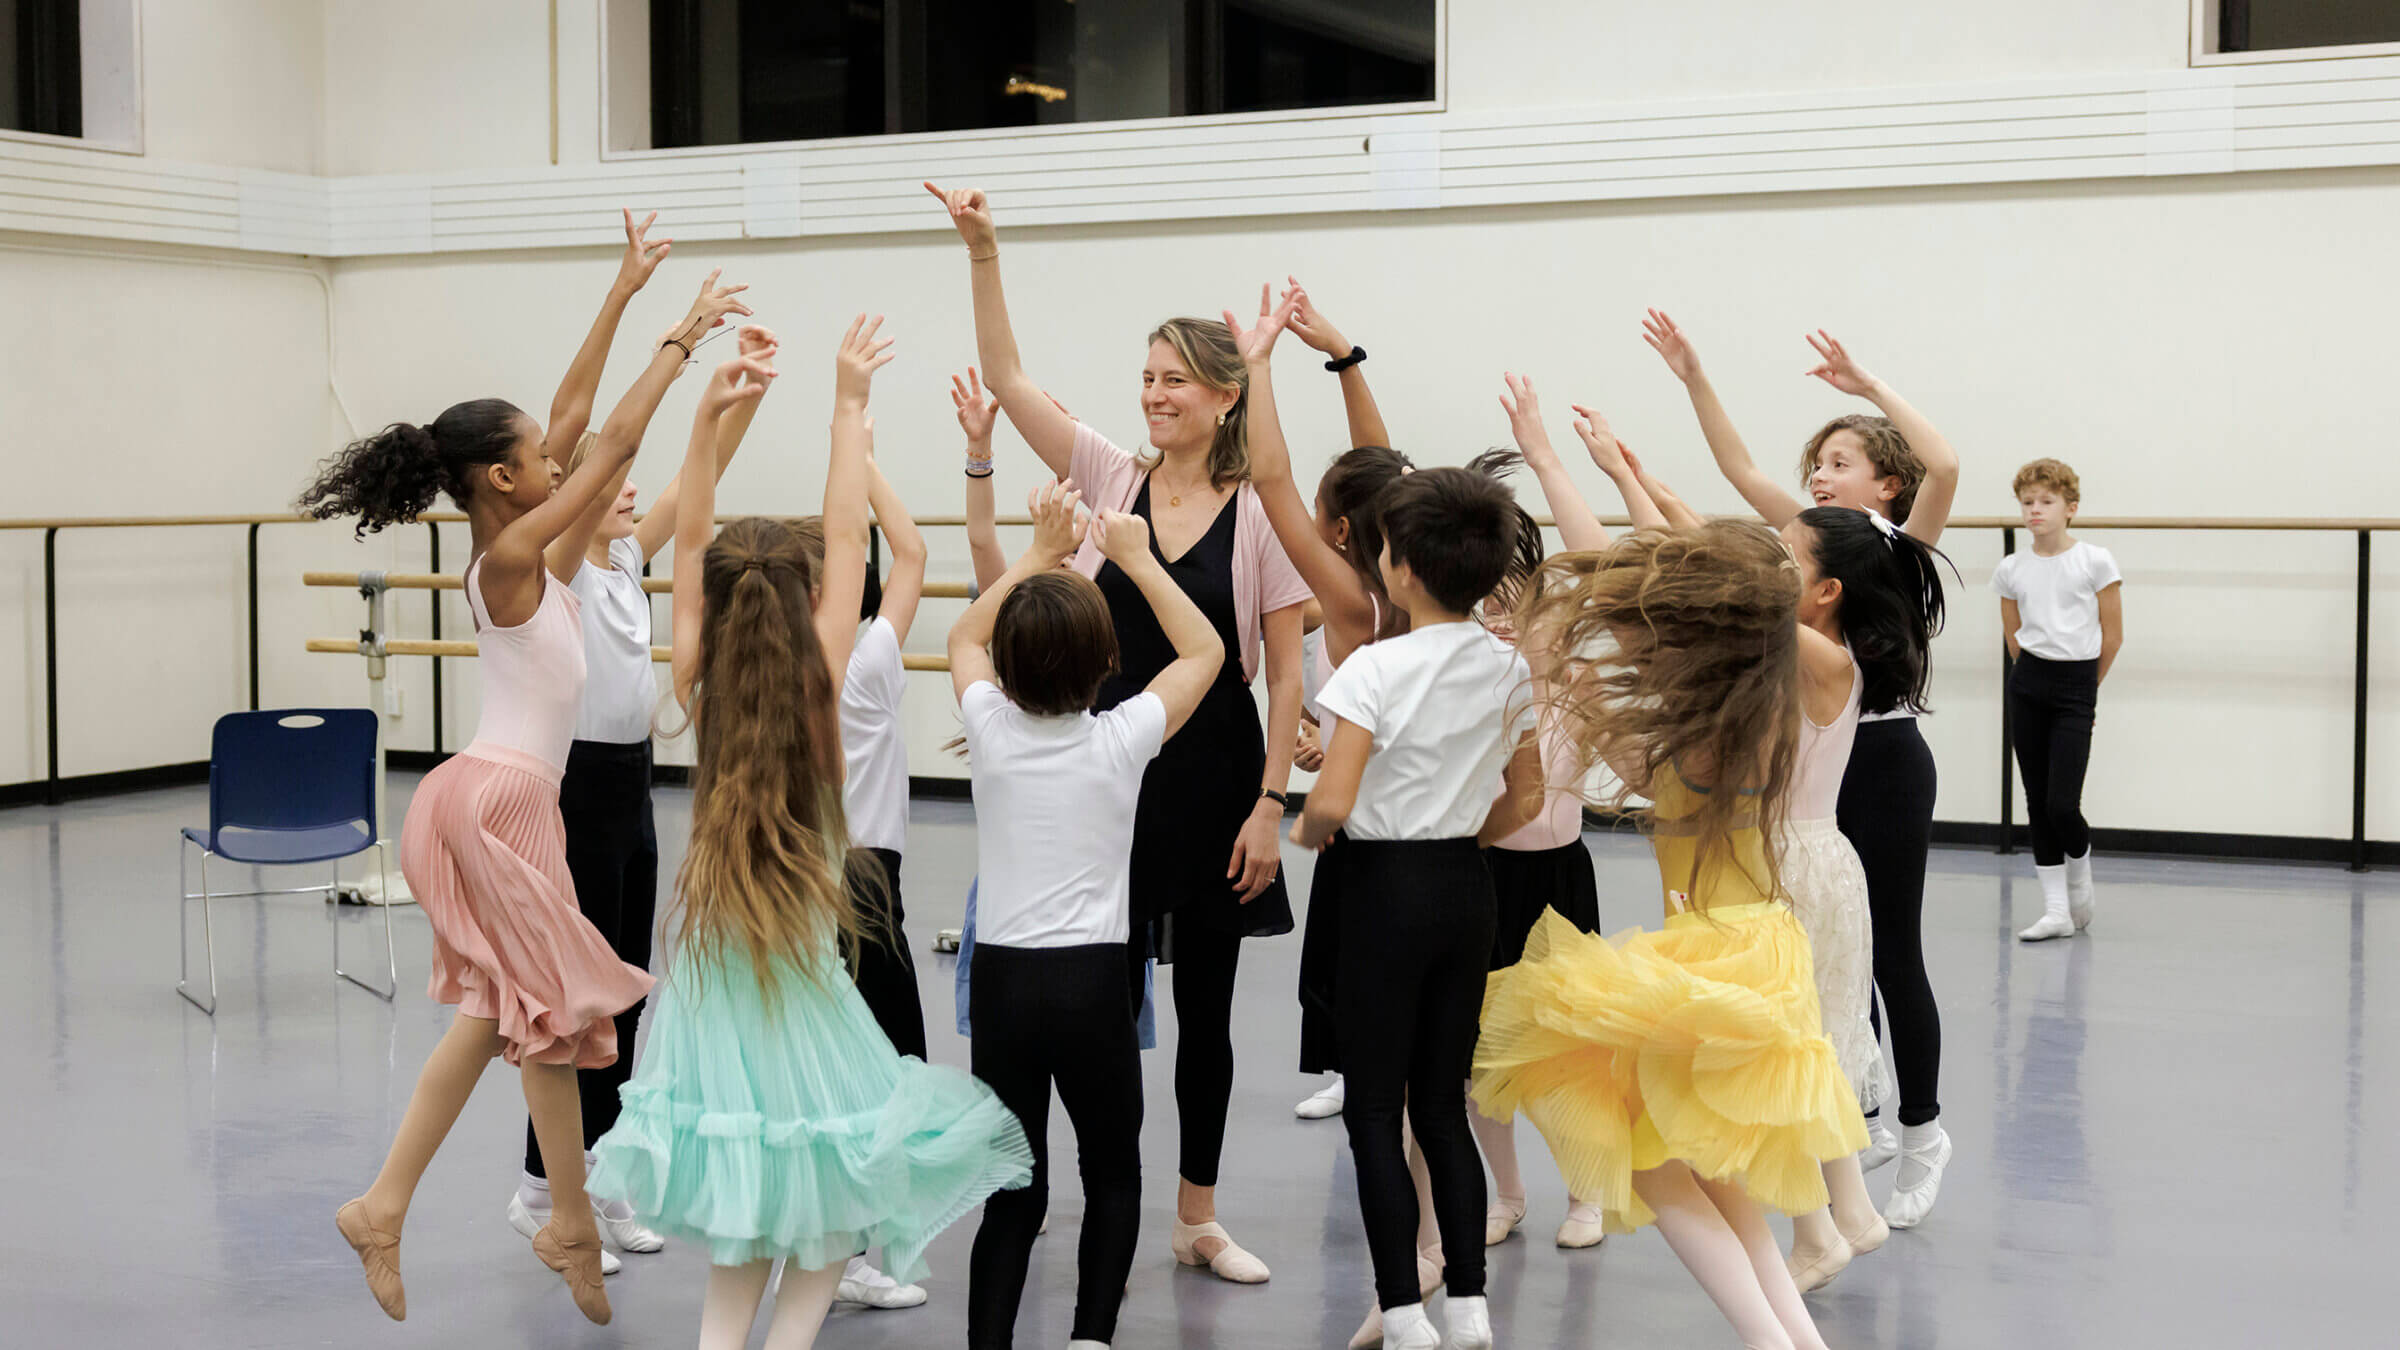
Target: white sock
2079,870
1915,1141
2054,890
1408,1325
534,1192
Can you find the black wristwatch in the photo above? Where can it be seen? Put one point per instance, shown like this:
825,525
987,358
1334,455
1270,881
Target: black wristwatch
1357,354
1282,801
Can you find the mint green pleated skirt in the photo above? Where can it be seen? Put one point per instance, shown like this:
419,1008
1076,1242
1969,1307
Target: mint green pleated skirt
794,1129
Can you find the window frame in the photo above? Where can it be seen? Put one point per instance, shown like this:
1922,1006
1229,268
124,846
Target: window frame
1440,102
119,26
2205,17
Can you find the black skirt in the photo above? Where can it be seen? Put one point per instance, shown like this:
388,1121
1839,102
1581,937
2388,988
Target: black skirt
1320,956
1527,881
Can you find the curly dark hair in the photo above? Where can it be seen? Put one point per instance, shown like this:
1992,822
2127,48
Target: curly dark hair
393,476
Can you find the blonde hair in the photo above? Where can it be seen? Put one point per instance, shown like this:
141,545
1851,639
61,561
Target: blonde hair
583,448
1206,349
2054,474
1677,651
1885,448
765,876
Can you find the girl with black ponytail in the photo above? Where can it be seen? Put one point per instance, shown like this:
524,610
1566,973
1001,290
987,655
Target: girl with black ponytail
484,845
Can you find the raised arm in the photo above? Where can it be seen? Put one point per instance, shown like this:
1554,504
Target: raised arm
1578,528
1358,401
843,584
571,407
904,585
657,529
1056,535
621,435
1349,611
1766,496
976,414
1044,425
1678,515
1125,540
1931,511
1609,454
740,382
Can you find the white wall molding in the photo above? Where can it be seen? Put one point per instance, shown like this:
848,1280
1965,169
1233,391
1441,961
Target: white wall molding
2227,119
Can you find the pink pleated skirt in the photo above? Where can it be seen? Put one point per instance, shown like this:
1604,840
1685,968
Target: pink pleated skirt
485,852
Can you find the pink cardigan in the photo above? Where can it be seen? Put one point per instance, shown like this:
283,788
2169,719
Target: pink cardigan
1264,579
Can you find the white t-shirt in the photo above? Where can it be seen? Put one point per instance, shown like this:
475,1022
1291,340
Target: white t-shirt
620,687
2058,599
1054,816
1447,706
875,792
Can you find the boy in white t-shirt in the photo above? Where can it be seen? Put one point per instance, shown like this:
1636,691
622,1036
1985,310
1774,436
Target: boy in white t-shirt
1054,785
2062,614
1429,755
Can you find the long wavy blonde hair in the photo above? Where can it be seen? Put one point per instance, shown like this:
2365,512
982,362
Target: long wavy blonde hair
1677,650
765,875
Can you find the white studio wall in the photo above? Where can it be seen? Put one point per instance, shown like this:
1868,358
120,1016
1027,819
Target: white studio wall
2206,345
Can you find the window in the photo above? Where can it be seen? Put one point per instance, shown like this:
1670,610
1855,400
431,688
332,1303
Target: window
726,72
41,79
2284,29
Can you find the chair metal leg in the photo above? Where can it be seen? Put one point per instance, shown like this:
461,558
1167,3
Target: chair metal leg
208,930
391,957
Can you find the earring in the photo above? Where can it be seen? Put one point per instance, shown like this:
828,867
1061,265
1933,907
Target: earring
1220,419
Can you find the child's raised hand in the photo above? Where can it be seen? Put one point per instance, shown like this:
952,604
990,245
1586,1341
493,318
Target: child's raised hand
854,366
1671,345
1124,538
711,306
1606,450
643,254
1836,367
976,411
1057,531
1311,325
972,214
755,338
743,378
1257,343
1524,408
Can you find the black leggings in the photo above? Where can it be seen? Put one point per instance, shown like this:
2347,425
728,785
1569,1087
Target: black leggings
1886,811
1048,1015
1206,960
1416,938
612,852
885,973
2050,722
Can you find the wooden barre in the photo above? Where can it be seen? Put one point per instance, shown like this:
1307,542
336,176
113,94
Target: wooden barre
448,647
452,581
2303,524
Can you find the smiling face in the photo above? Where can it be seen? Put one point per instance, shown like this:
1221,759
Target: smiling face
1844,476
1182,412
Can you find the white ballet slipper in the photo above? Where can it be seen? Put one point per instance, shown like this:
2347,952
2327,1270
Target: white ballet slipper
1913,1199
1231,1263
865,1285
1470,1324
1324,1102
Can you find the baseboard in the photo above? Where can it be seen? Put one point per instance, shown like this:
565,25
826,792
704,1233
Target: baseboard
82,785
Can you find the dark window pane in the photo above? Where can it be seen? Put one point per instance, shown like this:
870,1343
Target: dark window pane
41,69
730,71
2281,25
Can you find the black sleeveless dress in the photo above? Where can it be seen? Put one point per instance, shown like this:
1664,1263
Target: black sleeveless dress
1202,787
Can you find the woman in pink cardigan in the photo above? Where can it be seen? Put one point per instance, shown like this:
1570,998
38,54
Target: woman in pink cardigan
1206,841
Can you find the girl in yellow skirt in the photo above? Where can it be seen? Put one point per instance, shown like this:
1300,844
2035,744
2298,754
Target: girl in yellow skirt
1681,1075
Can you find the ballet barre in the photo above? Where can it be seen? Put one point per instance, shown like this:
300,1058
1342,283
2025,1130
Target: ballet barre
454,647
453,581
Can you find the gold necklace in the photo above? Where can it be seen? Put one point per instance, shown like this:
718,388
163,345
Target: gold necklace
1174,497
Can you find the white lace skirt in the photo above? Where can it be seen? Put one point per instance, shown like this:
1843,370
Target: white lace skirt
1828,890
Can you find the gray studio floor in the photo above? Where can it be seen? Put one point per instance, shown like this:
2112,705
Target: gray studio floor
2174,1133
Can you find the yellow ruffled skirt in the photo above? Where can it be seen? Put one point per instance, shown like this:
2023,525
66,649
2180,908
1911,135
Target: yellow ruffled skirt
1698,1042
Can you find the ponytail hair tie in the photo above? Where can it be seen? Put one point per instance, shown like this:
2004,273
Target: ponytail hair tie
1891,532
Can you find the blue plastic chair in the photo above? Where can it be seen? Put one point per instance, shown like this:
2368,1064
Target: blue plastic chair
285,788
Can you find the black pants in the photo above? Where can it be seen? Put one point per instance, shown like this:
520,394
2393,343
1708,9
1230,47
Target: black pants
2050,722
612,852
1416,937
884,971
1206,961
1886,812
1047,1015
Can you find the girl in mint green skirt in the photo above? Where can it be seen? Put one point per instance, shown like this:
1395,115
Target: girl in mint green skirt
771,1117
